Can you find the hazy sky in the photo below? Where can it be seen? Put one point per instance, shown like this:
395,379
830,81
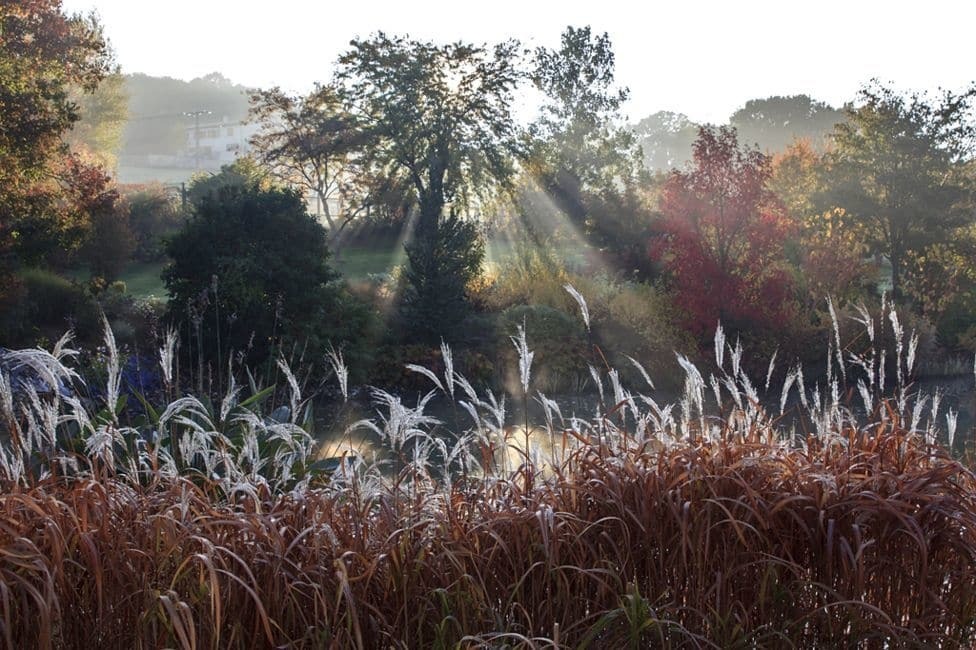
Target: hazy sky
701,58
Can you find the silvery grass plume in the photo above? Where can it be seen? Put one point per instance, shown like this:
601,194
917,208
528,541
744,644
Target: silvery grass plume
881,369
295,448
866,397
597,380
952,419
48,366
917,413
525,357
496,408
472,410
737,353
930,430
100,444
359,481
114,379
772,367
426,372
837,348
11,424
229,401
400,423
167,353
719,346
7,405
801,388
733,389
338,364
581,301
899,345
43,417
459,455
716,390
694,396
448,367
912,350
622,398
641,370
294,391
866,365
550,407
187,428
466,386
864,318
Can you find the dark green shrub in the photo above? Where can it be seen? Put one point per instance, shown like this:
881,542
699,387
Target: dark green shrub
109,245
441,264
389,369
153,215
558,340
135,322
251,274
48,306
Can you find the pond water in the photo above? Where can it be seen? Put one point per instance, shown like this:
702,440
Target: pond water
957,392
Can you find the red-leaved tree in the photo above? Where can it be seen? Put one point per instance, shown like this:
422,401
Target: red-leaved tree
721,239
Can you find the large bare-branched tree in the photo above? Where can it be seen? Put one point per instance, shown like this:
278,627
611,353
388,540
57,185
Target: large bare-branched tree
315,144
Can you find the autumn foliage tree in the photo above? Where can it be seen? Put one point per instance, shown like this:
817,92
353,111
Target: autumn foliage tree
45,55
898,168
721,239
827,247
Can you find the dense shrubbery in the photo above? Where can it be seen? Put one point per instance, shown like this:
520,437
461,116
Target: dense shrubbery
624,315
49,303
250,275
153,216
560,343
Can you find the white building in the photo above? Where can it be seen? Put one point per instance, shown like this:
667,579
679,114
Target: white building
212,144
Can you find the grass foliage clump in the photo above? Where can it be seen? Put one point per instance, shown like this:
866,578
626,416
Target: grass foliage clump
722,520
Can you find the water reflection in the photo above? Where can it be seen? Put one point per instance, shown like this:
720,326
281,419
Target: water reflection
349,446
503,451
487,448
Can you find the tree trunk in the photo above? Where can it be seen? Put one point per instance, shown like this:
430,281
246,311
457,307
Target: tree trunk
896,263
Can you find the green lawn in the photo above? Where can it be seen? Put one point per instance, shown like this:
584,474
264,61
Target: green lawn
356,263
142,280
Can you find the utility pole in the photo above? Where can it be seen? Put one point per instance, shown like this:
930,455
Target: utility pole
196,134
179,188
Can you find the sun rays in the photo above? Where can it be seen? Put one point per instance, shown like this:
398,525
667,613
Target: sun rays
537,222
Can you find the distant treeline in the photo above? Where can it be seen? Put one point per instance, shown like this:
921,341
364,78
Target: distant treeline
158,110
772,124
